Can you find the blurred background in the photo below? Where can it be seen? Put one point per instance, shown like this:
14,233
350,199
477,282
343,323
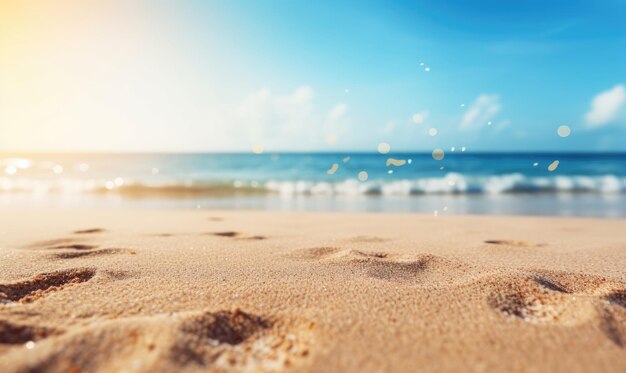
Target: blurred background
459,108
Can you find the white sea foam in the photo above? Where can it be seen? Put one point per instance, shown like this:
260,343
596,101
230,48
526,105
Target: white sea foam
450,183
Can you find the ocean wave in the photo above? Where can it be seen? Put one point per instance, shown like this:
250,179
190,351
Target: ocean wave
454,183
451,183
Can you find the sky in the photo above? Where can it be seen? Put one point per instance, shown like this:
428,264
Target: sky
196,76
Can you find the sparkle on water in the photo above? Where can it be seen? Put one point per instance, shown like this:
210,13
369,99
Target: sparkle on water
390,172
363,176
452,149
463,149
438,154
118,181
346,159
564,131
10,170
383,148
489,123
395,162
427,69
432,131
535,164
333,169
553,166
409,161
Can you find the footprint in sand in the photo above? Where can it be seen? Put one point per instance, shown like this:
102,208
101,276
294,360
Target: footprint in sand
241,341
90,231
562,298
26,291
237,235
617,297
11,333
314,253
70,248
367,239
421,269
89,253
60,243
513,243
216,341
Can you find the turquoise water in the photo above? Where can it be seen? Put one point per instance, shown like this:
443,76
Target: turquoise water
461,183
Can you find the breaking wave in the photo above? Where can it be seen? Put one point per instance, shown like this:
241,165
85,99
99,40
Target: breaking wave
452,183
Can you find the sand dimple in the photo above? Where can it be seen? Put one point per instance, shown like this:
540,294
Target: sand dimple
55,243
617,297
58,244
553,297
209,341
423,269
370,254
529,302
390,270
27,291
230,327
163,235
239,235
613,324
73,247
11,333
89,253
200,337
514,243
367,239
90,231
576,283
239,341
314,253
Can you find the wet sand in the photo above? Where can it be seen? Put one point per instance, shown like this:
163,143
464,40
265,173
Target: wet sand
194,290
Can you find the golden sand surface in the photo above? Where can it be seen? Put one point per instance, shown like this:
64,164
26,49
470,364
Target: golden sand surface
149,290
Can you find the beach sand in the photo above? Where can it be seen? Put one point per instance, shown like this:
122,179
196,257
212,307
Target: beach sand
150,290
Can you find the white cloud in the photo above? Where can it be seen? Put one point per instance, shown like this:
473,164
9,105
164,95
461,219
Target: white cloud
605,106
263,114
290,121
332,125
388,129
337,112
484,108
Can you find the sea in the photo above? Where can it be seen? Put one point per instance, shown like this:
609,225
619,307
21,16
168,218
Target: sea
463,182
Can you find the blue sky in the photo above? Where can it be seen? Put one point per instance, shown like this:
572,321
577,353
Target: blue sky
325,75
